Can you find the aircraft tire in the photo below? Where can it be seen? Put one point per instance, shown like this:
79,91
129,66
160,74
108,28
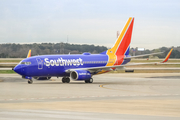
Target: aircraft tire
67,80
30,81
91,80
86,81
63,80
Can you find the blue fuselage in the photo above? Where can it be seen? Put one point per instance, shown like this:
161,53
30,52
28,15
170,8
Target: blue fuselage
56,65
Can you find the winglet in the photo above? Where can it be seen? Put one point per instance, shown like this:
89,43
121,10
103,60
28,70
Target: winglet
29,54
167,57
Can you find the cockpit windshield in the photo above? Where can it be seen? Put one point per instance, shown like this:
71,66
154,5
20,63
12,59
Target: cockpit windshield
25,63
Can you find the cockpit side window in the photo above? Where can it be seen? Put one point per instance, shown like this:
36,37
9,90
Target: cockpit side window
25,63
22,63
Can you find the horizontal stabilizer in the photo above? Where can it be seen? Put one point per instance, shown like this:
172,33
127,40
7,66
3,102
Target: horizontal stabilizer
142,55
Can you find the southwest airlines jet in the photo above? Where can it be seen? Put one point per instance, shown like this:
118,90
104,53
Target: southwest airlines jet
81,67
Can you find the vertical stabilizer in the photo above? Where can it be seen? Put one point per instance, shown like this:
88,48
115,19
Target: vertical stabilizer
122,45
29,54
167,57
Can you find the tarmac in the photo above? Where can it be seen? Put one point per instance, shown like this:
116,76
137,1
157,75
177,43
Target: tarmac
122,96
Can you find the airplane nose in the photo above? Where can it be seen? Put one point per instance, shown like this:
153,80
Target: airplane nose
18,69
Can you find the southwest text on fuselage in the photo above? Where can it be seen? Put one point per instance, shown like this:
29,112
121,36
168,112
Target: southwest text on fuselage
63,62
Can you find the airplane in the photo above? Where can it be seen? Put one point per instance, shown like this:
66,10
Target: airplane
82,67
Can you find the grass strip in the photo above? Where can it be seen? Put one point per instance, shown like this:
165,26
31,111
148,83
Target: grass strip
6,61
7,72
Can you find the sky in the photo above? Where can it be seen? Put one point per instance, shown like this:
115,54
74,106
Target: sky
157,22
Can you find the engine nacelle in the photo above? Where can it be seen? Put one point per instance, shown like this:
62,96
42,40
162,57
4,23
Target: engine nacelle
42,78
80,75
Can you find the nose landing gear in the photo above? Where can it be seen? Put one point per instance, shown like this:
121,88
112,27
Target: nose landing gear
30,81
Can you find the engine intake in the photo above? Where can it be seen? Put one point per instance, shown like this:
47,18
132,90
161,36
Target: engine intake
80,75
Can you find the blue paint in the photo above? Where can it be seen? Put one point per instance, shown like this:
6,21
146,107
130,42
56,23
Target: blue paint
37,68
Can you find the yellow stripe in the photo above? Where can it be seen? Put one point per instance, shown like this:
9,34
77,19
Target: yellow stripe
167,57
111,52
169,53
102,86
29,54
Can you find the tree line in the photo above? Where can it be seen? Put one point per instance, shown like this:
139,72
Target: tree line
175,53
21,50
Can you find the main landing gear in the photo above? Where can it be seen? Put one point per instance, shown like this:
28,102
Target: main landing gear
89,81
65,79
30,81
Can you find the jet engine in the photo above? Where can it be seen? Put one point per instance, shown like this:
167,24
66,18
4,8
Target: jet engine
42,78
80,75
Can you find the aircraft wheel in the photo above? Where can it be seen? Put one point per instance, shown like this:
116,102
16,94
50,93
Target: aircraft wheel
91,80
30,81
86,81
63,80
67,80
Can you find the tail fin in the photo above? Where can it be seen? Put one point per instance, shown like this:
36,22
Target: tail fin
167,57
122,45
127,51
29,54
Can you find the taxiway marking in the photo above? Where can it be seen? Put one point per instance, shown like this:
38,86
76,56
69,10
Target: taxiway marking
85,97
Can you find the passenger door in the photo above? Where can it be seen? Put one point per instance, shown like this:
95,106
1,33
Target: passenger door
40,63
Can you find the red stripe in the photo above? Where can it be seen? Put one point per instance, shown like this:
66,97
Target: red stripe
124,44
167,58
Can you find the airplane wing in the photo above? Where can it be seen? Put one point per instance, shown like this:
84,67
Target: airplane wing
94,69
142,55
